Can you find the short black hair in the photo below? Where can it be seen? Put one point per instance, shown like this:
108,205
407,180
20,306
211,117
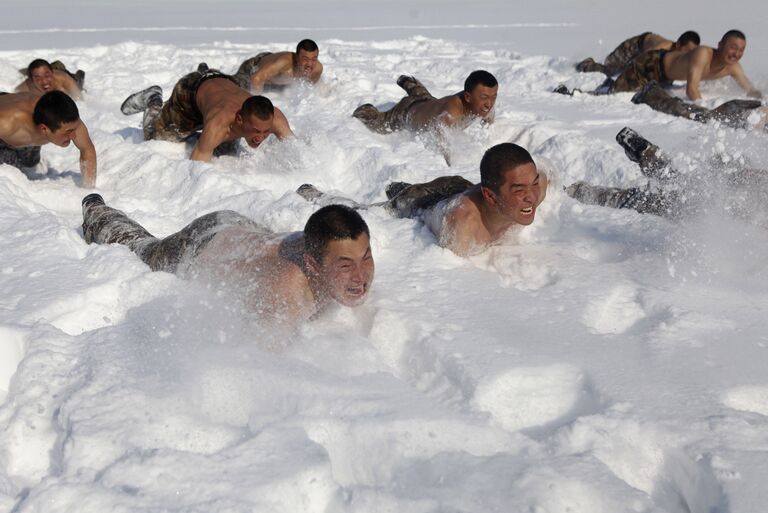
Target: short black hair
37,63
481,77
258,106
54,108
499,159
689,36
307,45
332,222
733,33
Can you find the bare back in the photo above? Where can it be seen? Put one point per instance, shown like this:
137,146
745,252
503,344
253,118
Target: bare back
262,268
219,101
656,42
16,125
448,110
279,69
276,69
458,223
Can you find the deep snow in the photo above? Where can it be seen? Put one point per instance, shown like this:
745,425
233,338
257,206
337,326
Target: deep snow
599,360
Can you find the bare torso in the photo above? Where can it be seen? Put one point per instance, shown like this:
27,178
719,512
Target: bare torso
219,100
16,125
263,269
62,82
449,111
467,224
678,63
280,69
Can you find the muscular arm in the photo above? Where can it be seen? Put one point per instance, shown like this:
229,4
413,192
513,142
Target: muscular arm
82,142
281,127
741,78
67,84
459,231
451,116
268,71
698,63
214,133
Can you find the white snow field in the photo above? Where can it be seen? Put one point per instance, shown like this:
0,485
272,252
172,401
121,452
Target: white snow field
597,361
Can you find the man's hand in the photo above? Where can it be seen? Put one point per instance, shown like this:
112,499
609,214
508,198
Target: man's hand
82,142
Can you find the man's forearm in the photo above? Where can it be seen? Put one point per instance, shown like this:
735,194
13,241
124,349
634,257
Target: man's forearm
88,170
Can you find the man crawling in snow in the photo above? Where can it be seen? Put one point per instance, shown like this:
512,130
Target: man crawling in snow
286,278
419,110
464,217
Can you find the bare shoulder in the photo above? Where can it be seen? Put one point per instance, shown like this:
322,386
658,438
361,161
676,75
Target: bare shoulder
23,87
279,60
701,54
463,216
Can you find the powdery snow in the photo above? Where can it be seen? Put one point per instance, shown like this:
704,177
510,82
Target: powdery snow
599,360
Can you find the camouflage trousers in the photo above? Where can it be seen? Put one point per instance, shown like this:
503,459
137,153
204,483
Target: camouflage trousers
407,200
26,156
643,69
106,225
179,117
395,118
733,113
618,59
247,69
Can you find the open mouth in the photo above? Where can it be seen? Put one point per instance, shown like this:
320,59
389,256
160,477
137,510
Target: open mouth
527,211
357,292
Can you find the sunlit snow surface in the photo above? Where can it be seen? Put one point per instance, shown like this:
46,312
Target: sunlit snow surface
597,361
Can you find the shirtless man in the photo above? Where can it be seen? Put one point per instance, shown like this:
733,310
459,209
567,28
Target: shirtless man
212,101
27,121
43,77
467,218
275,70
702,63
419,110
618,59
284,278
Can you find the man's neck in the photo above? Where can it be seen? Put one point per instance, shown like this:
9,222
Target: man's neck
495,224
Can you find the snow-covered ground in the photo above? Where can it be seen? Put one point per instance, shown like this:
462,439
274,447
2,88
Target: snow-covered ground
599,360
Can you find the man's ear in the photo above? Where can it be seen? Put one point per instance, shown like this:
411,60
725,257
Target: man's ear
239,117
311,264
44,129
466,96
488,195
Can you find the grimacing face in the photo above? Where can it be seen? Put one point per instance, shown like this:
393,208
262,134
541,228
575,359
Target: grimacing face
42,78
481,99
255,130
306,62
519,194
732,49
63,135
347,270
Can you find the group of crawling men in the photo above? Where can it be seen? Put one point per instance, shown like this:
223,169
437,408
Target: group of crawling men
291,277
